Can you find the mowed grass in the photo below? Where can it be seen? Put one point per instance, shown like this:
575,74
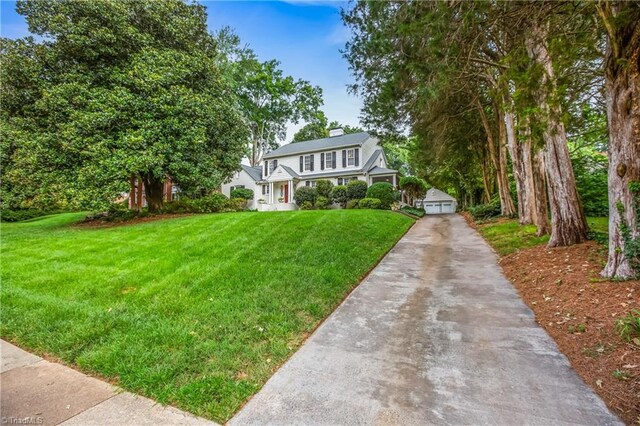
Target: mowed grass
507,236
196,312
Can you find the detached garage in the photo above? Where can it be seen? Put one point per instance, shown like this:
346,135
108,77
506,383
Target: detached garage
438,202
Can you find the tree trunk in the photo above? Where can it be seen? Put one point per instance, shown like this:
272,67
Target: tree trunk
568,224
541,211
499,159
518,154
154,192
622,86
509,209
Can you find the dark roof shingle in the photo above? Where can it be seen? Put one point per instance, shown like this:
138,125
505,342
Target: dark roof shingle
352,139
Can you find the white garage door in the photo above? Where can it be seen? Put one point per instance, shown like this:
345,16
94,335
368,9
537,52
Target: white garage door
447,208
439,207
432,208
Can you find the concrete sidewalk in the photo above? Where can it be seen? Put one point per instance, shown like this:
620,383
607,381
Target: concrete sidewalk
35,391
434,335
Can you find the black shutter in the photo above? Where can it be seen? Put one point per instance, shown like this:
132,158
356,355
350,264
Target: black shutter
274,164
333,159
266,168
356,152
311,168
322,161
344,158
264,189
301,163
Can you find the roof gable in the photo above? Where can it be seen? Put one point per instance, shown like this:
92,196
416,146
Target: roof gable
282,173
254,172
316,145
434,194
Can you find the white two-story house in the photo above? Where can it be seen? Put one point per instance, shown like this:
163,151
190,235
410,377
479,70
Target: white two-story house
339,158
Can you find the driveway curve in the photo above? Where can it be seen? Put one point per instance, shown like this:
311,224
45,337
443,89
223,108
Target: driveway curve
434,335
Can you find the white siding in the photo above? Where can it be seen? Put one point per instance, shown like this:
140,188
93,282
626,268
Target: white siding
243,178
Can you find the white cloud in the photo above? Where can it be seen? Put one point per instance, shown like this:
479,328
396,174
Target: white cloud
340,35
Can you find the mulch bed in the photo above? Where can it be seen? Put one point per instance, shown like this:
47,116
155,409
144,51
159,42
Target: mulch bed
579,310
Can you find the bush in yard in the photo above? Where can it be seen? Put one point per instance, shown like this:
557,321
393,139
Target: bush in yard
213,203
306,205
245,193
304,194
183,205
369,203
236,205
414,211
486,211
322,203
324,188
356,190
352,204
383,191
18,215
339,194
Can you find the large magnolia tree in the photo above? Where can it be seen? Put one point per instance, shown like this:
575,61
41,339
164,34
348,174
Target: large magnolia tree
118,88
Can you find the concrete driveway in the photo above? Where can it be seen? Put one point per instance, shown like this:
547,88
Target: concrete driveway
434,335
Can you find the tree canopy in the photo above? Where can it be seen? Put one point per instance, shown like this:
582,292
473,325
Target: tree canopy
118,88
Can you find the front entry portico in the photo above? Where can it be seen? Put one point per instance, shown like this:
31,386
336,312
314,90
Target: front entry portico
281,183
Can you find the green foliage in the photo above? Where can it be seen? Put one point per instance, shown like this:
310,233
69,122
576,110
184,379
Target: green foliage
324,188
370,203
356,189
8,215
306,205
578,328
339,194
322,203
413,186
486,211
245,193
204,287
590,167
384,192
629,236
235,205
305,194
628,327
180,206
413,211
118,89
213,203
318,128
353,204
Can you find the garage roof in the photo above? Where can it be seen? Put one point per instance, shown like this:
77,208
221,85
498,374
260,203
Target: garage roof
436,195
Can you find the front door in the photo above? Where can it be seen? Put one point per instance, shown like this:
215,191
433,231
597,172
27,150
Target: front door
286,192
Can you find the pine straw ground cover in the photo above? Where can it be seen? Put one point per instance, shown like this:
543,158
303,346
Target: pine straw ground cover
577,308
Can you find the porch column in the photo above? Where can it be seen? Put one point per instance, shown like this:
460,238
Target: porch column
394,181
291,191
270,192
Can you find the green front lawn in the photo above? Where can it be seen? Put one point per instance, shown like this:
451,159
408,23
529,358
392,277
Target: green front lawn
198,311
507,236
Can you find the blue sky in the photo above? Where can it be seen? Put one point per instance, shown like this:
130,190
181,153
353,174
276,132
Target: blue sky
304,35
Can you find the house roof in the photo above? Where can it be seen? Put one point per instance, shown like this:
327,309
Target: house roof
254,172
377,170
368,165
436,195
352,139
